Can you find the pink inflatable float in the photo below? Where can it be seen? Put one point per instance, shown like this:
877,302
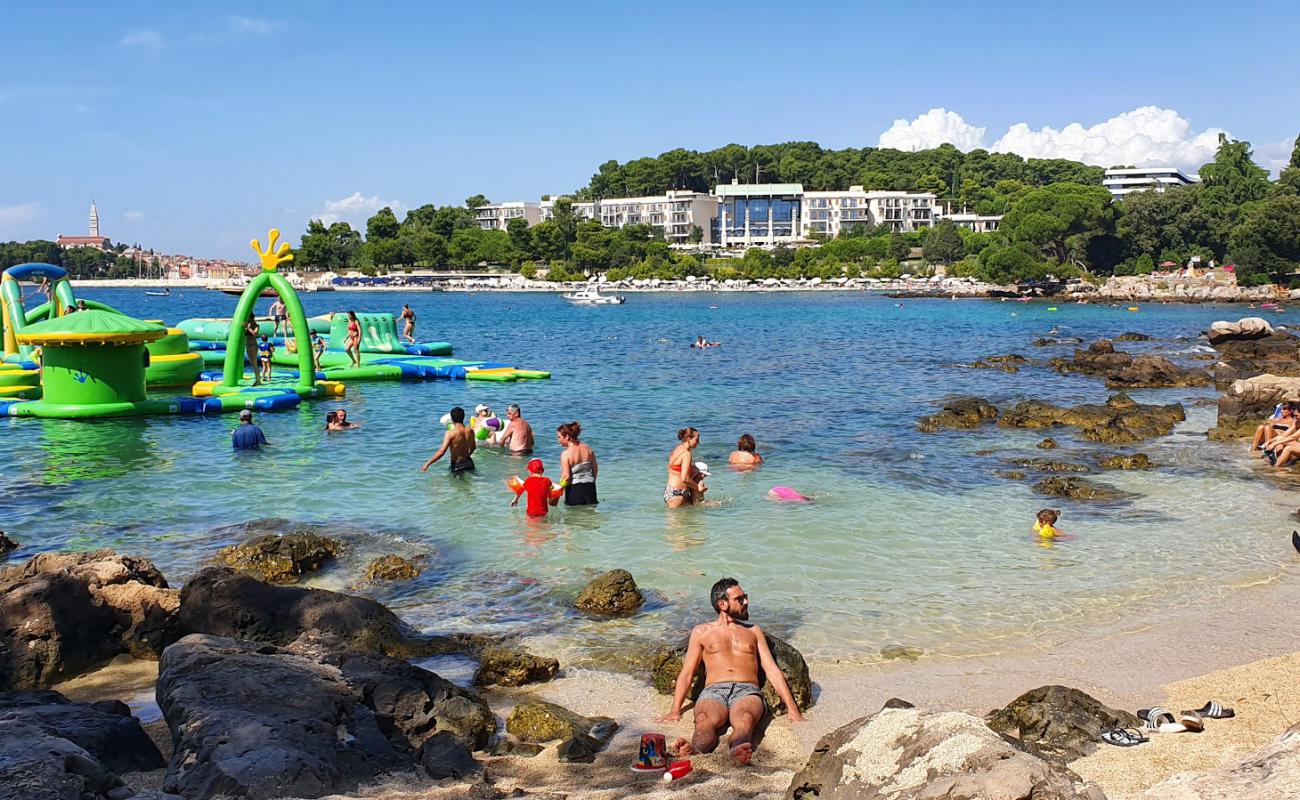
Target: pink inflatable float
787,495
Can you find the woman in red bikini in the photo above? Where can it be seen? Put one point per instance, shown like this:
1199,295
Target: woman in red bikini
352,345
683,484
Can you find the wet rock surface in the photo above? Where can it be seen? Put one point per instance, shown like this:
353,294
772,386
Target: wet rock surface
392,568
614,594
666,664
910,754
282,558
513,666
254,720
7,545
1126,461
1133,336
1119,420
52,748
1059,723
581,737
959,413
1047,444
1048,465
1076,489
62,614
1156,372
1276,354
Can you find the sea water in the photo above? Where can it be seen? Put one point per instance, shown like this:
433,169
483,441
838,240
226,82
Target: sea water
912,539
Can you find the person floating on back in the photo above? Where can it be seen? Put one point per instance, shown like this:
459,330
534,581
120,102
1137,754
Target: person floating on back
247,436
541,492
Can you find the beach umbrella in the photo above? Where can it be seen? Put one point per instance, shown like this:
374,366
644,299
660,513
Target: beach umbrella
1230,268
1168,264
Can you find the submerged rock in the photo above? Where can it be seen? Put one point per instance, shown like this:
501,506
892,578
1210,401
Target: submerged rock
508,666
52,748
1010,474
1131,461
909,754
1047,444
1048,465
1132,336
1058,723
1119,420
960,413
392,568
7,545
62,614
614,593
1076,489
897,652
667,663
282,558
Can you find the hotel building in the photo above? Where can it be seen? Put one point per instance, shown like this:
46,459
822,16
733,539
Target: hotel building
496,215
1121,182
677,213
758,214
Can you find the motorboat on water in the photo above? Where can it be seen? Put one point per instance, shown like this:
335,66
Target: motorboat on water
164,293
593,297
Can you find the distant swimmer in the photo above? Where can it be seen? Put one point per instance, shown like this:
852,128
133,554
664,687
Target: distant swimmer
746,454
701,343
898,305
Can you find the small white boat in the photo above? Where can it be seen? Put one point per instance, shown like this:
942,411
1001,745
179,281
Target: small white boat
593,297
163,293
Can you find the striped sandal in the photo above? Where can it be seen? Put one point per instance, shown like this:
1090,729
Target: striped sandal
1159,720
1212,710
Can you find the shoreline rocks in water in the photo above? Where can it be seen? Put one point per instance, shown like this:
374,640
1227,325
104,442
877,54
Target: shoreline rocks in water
1249,402
7,545
1123,370
392,568
62,614
666,665
961,413
1119,420
282,558
1076,489
510,666
613,594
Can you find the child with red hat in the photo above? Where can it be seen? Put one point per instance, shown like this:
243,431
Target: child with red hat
539,489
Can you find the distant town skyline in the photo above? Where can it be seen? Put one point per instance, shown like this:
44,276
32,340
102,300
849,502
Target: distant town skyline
195,128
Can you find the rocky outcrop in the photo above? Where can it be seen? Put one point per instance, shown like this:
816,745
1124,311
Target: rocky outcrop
223,602
1100,358
7,545
392,568
909,754
1132,336
1048,465
62,614
581,737
1278,354
282,558
615,593
960,413
1047,444
1058,723
1249,402
1156,372
52,748
511,666
1126,461
1244,329
667,663
258,721
1270,773
1076,489
1119,420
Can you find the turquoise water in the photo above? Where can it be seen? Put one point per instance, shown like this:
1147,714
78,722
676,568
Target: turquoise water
912,539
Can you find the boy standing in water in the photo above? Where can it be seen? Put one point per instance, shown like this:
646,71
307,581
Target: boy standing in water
264,351
538,488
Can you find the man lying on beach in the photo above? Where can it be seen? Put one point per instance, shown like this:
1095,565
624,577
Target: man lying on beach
733,652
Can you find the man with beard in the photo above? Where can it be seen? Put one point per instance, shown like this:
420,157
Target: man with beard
732,651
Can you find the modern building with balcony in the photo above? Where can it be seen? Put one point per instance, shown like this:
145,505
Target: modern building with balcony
902,211
580,210
676,213
835,212
758,214
496,216
1122,182
979,223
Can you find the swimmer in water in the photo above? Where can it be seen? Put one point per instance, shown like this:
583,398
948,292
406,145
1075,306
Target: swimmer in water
1045,528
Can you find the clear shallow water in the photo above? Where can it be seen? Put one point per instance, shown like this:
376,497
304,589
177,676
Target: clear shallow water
912,539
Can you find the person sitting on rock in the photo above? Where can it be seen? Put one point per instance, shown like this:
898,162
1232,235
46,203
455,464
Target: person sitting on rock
1283,421
732,652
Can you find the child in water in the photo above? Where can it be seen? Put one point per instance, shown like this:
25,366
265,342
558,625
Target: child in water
1045,527
264,351
539,489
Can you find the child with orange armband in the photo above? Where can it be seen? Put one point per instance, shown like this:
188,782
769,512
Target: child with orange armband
541,492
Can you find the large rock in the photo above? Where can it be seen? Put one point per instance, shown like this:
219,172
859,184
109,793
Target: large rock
392,568
223,602
7,545
581,737
614,593
1100,358
512,666
960,413
1076,489
52,748
1244,329
909,754
1249,402
1119,420
282,558
667,663
62,614
258,721
1270,773
1123,461
1155,372
1278,354
1058,723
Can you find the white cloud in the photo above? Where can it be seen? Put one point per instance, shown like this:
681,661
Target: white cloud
252,26
1144,136
144,38
13,218
1274,156
133,215
355,209
932,129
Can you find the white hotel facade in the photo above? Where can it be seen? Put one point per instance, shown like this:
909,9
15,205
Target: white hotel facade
1122,182
741,215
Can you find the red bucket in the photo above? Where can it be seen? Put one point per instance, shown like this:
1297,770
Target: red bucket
653,754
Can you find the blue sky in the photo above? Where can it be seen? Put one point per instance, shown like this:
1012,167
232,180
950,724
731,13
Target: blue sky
195,126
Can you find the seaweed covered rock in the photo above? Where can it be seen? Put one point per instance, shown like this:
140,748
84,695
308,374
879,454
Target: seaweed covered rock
1076,489
1126,461
1156,372
667,663
1048,443
1059,723
62,614
960,413
281,558
1048,465
581,737
1119,420
910,754
1100,358
615,593
511,666
392,568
